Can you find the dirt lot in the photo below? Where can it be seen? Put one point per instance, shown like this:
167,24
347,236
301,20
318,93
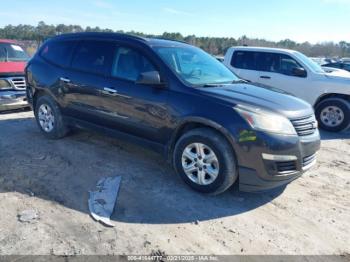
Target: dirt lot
155,210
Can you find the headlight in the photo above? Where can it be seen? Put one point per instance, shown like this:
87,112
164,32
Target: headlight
267,121
4,84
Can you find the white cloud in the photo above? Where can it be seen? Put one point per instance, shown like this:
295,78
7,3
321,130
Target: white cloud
176,11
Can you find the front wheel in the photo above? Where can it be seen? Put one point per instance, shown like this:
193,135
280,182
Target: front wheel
333,114
205,161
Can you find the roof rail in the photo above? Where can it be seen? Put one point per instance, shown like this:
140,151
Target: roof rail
169,39
92,33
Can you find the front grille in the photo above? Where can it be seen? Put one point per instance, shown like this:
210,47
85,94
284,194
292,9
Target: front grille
305,126
286,167
18,82
308,160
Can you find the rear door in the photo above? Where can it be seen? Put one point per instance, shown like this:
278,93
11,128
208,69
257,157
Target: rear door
243,63
86,79
57,55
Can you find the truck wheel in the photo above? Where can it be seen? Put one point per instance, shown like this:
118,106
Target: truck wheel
49,119
333,114
205,161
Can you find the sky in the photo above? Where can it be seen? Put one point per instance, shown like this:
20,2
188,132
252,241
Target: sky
298,20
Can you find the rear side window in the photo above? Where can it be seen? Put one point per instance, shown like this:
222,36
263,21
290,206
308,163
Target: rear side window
93,56
58,52
129,64
244,60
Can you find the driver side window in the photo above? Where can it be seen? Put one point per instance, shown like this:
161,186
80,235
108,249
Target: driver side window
288,64
128,64
277,63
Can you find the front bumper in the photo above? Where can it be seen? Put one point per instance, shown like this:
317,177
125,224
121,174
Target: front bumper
12,99
269,161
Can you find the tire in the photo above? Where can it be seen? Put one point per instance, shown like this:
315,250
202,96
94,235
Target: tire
333,122
212,141
57,128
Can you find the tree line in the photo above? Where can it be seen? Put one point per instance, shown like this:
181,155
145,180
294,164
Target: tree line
33,36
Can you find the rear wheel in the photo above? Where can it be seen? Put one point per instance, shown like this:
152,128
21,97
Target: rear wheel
49,119
205,161
333,114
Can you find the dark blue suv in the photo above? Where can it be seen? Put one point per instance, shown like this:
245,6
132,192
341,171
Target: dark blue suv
213,127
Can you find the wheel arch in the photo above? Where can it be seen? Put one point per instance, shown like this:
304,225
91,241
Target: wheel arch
331,95
194,123
38,93
340,98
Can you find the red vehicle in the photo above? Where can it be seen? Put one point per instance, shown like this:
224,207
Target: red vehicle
13,60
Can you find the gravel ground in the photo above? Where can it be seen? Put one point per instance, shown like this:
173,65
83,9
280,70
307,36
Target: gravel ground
44,188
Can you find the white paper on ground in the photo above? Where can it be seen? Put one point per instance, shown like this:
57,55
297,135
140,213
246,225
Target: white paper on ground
102,201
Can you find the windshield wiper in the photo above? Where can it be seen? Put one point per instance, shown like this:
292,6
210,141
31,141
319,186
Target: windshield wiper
211,85
240,81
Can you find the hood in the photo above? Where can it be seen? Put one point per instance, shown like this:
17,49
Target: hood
330,71
12,67
261,97
339,76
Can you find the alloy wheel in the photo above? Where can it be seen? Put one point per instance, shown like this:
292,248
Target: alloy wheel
46,118
200,163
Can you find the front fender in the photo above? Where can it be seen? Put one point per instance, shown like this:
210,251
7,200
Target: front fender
202,122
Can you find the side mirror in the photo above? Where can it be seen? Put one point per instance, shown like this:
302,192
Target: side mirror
149,78
299,72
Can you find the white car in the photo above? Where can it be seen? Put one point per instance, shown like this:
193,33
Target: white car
336,71
294,73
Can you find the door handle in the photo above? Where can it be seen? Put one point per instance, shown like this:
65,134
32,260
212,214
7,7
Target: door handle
64,79
265,77
113,92
109,91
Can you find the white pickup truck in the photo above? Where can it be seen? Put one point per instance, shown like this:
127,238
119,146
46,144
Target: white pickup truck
293,72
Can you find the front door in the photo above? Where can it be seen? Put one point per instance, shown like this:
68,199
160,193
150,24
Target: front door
136,109
276,70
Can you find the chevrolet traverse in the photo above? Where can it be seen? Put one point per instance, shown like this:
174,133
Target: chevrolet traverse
213,127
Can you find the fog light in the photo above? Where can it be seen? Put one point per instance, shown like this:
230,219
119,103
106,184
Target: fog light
278,157
4,84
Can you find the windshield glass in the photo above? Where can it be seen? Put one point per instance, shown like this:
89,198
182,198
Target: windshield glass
12,52
311,64
195,66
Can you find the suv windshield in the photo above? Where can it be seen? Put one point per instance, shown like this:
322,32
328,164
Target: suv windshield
311,64
12,52
195,66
